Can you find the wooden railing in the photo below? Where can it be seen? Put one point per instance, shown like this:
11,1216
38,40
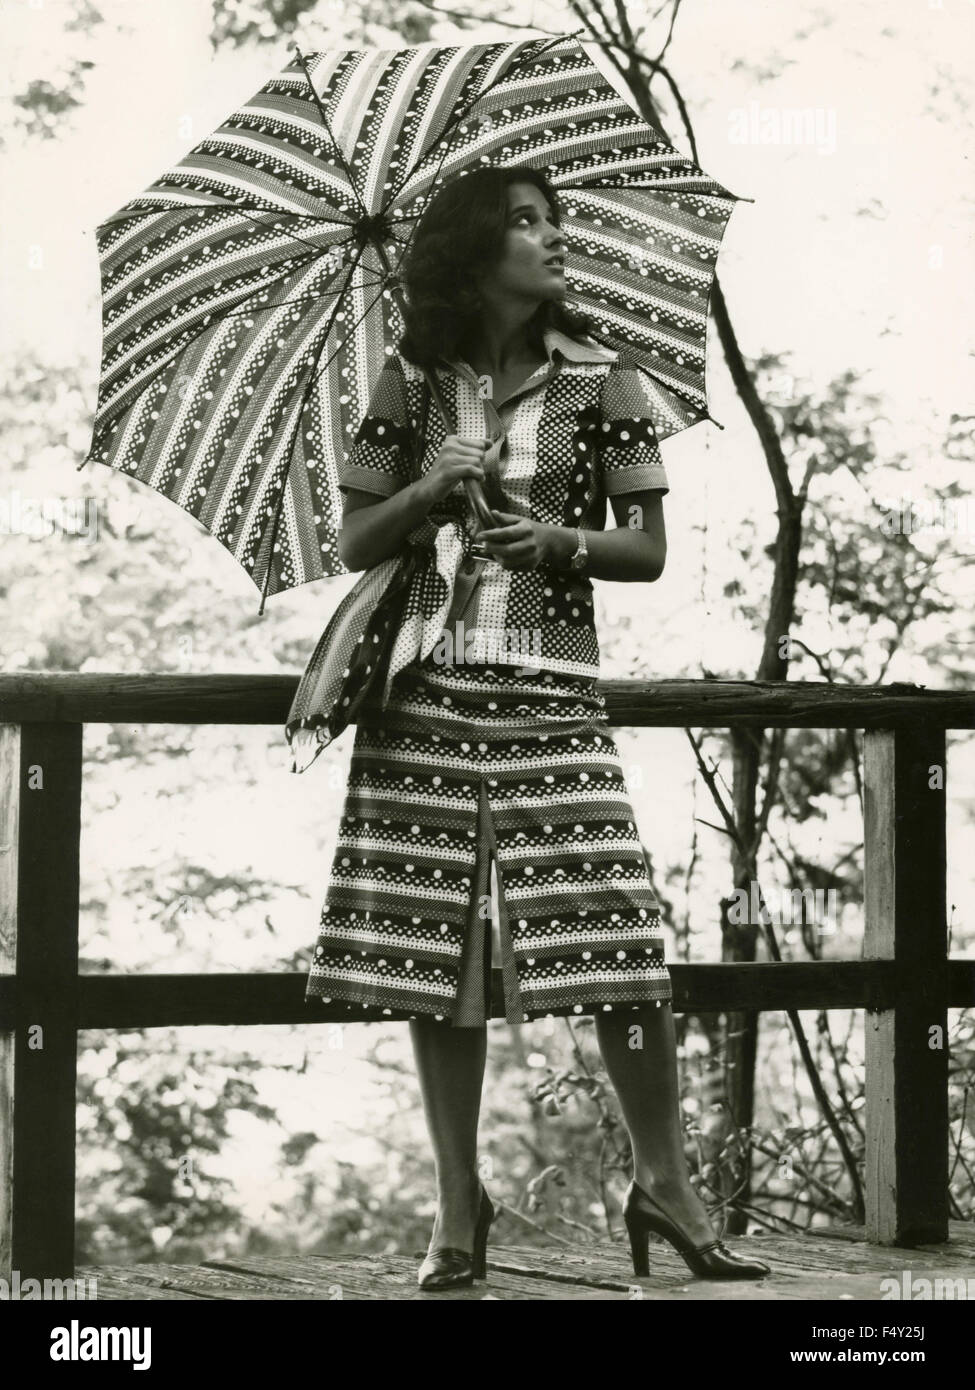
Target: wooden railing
905,980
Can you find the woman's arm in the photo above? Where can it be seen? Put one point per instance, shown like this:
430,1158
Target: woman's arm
635,551
374,528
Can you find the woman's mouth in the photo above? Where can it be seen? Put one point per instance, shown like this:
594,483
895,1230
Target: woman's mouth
556,263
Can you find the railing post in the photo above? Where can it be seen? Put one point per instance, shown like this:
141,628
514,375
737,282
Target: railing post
40,797
9,822
906,1046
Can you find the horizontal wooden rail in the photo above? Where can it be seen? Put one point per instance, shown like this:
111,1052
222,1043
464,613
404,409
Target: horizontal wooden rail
165,698
172,1001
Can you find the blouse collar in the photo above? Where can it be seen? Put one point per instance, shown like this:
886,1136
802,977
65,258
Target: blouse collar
555,341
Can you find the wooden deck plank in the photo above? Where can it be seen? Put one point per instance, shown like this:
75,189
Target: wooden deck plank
202,1281
111,1288
797,1270
359,1277
961,1238
836,1264
835,1252
358,1280
395,1276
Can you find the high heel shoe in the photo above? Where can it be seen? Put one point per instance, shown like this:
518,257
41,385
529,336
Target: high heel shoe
712,1260
446,1267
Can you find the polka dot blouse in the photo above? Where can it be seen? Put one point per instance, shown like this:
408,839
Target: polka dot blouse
578,431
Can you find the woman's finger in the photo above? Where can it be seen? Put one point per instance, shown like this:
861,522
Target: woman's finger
518,552
505,534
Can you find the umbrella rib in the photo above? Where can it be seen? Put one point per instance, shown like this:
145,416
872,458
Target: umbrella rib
299,239
354,326
223,207
425,198
338,149
285,303
301,298
700,185
310,244
318,250
462,114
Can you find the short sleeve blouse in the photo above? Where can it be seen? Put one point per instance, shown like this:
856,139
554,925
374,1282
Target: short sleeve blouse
574,435
379,459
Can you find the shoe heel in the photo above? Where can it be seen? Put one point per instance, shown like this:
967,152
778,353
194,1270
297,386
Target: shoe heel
639,1248
479,1254
710,1260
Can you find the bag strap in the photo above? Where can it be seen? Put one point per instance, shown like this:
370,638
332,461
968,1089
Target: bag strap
420,434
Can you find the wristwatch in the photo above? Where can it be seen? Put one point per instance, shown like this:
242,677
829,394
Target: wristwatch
580,559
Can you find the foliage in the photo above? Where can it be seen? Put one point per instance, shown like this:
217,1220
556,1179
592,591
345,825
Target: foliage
146,1124
244,22
41,106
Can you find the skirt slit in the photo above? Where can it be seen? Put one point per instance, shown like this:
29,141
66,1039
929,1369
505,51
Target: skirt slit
487,939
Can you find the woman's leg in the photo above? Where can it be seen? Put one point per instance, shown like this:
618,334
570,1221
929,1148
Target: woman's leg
450,1066
643,1069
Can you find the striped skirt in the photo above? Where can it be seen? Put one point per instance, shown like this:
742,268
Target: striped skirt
475,777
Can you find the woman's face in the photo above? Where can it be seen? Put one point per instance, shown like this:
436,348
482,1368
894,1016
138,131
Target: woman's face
531,239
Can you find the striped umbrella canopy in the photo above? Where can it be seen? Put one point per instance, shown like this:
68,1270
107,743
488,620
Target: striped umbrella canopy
250,295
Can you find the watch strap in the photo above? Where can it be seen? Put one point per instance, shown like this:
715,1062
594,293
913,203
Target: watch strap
581,552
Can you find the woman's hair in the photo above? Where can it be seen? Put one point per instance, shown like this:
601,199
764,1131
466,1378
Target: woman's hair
460,236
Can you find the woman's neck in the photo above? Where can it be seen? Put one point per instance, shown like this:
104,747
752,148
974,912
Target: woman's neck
499,353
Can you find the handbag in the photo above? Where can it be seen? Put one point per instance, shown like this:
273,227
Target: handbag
351,659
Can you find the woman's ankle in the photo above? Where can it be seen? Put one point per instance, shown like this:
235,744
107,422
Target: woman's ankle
663,1185
458,1188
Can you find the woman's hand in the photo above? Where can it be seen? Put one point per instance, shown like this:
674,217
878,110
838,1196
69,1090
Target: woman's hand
458,459
519,544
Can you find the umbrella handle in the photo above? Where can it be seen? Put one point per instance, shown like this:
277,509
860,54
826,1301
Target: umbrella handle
479,503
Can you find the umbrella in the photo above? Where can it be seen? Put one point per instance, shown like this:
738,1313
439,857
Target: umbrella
250,295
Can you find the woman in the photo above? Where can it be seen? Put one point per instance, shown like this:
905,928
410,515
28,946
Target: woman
490,776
